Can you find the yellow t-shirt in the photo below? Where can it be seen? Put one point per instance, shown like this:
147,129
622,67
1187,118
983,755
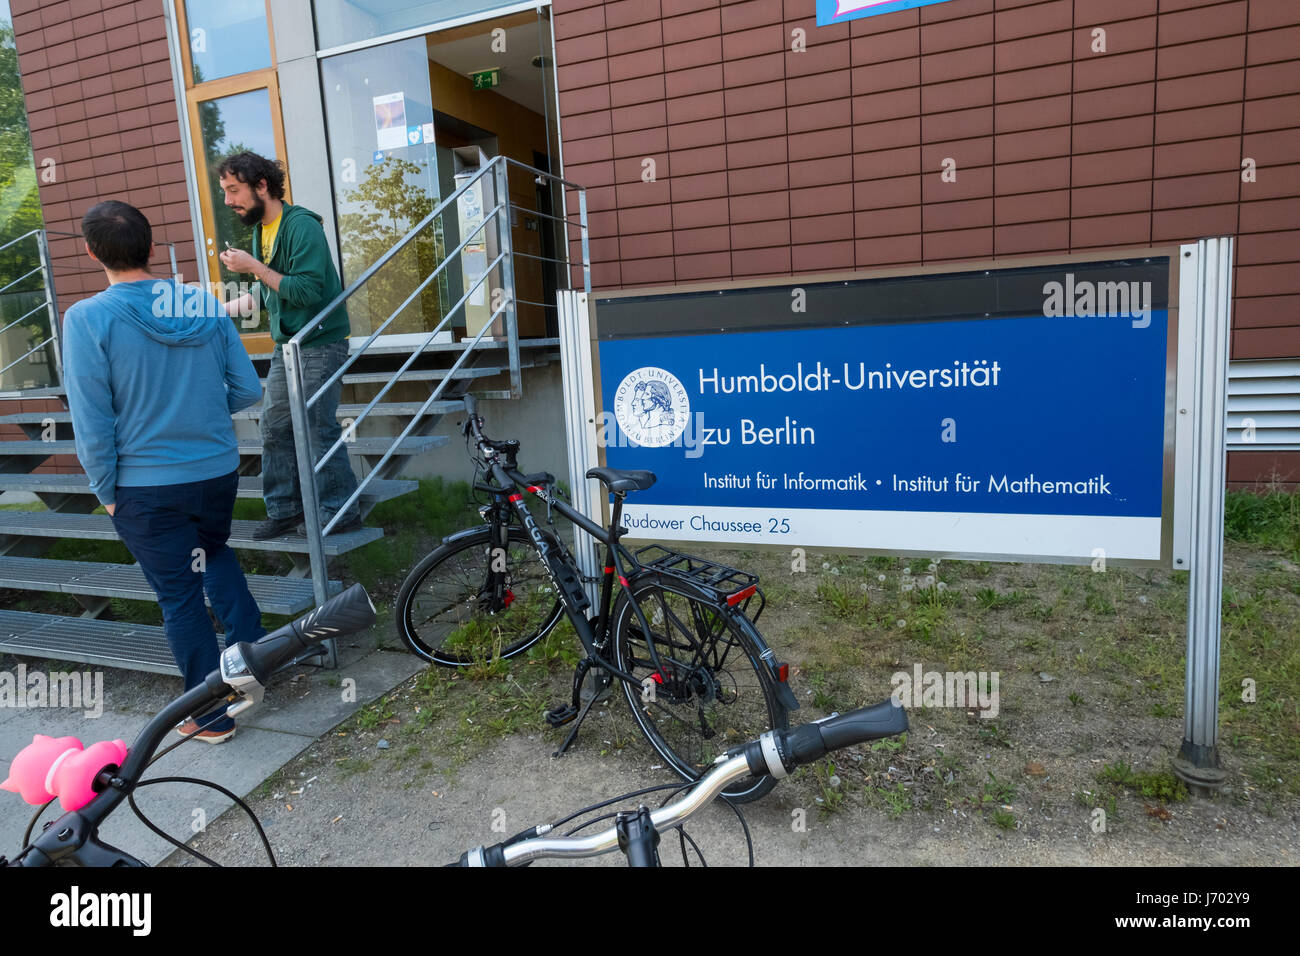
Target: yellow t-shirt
268,238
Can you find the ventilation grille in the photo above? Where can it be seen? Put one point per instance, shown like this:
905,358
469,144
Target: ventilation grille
1264,405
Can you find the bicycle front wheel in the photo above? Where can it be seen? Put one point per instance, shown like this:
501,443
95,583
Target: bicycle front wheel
451,611
703,687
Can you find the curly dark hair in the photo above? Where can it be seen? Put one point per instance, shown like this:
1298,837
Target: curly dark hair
252,169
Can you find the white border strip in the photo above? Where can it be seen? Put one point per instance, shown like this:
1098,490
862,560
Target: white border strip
1189,320
1021,537
579,416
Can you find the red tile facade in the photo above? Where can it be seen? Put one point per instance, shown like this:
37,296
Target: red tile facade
101,105
1070,126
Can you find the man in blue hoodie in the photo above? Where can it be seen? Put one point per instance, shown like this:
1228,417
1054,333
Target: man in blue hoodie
153,370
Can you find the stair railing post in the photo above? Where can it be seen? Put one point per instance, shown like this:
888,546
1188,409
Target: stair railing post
47,274
502,176
307,481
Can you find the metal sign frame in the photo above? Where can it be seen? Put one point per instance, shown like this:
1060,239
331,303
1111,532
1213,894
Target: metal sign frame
1172,536
1195,452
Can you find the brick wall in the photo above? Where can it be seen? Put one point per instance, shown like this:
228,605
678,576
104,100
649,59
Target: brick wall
770,161
101,104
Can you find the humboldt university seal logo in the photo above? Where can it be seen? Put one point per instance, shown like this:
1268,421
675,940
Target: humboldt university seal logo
651,407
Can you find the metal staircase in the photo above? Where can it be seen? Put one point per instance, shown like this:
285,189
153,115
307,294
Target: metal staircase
433,376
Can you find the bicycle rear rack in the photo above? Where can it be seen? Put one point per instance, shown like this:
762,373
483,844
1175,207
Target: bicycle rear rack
728,586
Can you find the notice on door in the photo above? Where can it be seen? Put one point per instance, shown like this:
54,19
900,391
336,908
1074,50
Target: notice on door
390,120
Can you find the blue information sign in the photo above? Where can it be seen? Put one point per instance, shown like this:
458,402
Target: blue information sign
838,11
878,414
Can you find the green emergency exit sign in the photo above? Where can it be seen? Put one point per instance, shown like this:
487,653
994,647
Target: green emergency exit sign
486,79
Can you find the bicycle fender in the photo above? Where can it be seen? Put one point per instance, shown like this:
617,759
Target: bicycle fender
467,532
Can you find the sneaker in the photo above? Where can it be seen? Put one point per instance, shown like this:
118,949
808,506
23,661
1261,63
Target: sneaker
191,729
275,527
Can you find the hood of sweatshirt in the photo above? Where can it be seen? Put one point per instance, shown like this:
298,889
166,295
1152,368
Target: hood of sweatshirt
292,212
165,310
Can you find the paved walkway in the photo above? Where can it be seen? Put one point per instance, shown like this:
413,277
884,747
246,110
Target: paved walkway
301,705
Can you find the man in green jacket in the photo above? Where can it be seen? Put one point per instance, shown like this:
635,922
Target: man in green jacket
292,265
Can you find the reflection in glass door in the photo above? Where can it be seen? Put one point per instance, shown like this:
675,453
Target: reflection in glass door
245,120
406,121
233,101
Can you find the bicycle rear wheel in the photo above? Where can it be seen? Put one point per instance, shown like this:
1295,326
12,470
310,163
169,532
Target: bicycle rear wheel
703,686
450,613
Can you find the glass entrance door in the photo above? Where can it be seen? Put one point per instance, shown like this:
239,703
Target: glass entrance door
404,119
233,101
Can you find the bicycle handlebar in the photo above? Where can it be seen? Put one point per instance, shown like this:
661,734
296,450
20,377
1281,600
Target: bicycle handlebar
244,672
778,752
775,753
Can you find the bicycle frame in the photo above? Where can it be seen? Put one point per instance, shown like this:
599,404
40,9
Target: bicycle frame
563,569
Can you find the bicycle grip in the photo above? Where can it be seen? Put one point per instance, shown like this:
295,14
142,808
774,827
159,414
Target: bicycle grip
779,752
342,614
471,405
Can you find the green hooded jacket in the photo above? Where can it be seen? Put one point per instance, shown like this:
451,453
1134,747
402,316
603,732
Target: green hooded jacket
310,281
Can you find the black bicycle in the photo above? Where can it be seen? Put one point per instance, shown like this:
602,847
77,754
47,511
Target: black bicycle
680,634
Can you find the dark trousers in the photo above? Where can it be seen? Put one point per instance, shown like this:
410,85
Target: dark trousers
280,479
178,534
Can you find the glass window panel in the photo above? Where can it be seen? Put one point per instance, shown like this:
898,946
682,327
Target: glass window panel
228,125
378,117
227,38
339,22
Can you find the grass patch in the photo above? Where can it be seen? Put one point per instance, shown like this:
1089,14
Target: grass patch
1270,519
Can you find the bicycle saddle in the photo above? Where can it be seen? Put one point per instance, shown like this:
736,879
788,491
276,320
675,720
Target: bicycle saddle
620,482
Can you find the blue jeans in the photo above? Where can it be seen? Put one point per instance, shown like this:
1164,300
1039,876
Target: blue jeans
178,534
280,483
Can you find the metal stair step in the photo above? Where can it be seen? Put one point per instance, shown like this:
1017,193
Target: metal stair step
361,378
413,445
249,486
141,647
394,409
417,375
484,345
274,595
344,411
57,524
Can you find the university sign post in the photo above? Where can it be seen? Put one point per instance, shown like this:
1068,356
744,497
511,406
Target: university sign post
1065,411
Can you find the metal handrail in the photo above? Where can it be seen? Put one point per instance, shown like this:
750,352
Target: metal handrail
405,365
398,311
433,397
43,304
27,275
497,218
31,232
386,257
50,302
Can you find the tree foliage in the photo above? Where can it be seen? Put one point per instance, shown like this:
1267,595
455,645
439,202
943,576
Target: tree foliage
20,202
390,200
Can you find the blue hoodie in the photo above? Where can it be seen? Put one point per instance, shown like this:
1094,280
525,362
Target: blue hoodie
154,369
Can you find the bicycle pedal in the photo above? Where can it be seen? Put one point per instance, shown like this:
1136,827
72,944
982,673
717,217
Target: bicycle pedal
559,716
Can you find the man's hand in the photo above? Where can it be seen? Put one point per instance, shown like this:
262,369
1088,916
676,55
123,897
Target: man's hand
237,260
110,509
245,307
